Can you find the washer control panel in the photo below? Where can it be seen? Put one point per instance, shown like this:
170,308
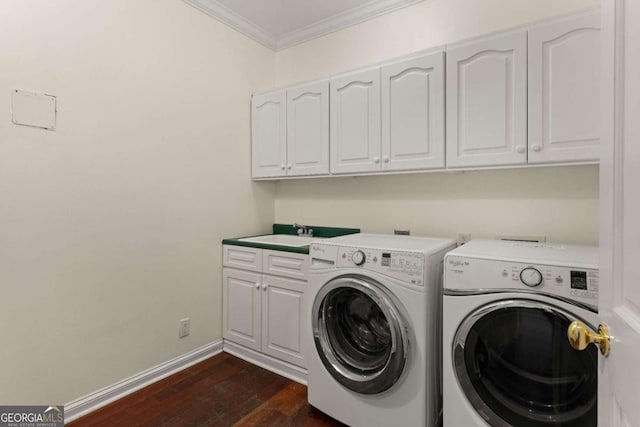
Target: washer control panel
406,266
464,273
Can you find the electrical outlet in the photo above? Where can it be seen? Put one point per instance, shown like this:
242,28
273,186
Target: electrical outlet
463,238
185,328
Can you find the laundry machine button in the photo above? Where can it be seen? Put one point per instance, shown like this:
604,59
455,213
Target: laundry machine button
358,257
531,277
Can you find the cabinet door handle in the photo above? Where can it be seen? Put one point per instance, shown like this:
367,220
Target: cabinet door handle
257,285
376,160
536,148
264,287
520,149
385,159
282,167
289,167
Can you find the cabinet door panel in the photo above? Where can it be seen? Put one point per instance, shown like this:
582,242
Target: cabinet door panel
355,122
241,307
242,257
564,90
287,264
487,102
268,135
308,129
283,319
413,114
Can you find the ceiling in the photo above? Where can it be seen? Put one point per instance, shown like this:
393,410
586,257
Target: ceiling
279,24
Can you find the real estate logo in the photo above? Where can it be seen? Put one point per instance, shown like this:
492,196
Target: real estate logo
32,416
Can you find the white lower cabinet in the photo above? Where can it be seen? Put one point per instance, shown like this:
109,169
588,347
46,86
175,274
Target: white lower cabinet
241,307
282,323
264,312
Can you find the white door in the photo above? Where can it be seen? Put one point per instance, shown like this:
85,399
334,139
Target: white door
241,306
283,310
619,375
355,122
268,134
413,114
564,90
308,129
487,102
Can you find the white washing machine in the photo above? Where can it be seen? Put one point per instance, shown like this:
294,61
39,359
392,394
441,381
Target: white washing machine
506,357
374,309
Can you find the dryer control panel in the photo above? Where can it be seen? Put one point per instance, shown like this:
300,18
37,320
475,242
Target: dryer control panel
466,273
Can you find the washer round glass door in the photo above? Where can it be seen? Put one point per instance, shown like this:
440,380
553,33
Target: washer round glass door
360,334
514,362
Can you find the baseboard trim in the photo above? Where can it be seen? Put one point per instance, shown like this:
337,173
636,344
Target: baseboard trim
89,403
287,370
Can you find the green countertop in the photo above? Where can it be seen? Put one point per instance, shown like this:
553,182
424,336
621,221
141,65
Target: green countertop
318,231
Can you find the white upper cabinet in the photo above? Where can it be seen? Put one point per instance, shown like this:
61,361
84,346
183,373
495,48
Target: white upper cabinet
487,102
269,135
413,114
308,129
564,90
529,96
355,122
290,132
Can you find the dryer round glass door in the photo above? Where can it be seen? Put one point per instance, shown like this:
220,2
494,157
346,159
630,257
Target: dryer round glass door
514,362
360,334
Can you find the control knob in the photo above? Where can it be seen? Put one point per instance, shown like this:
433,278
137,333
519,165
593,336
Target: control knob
358,257
531,277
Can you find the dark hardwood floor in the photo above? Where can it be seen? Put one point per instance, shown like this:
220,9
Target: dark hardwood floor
220,391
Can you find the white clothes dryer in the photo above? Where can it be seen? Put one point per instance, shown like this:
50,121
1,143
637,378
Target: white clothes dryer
506,357
375,314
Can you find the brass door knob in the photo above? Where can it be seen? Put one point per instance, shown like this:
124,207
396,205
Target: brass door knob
580,337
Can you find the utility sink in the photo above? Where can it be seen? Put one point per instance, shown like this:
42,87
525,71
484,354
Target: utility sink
280,240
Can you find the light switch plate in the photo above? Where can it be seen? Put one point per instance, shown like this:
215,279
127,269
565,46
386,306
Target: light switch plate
33,109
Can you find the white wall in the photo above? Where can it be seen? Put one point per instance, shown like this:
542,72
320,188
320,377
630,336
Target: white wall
423,25
560,203
110,227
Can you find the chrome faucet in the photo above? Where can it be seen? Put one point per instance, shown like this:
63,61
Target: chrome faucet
303,230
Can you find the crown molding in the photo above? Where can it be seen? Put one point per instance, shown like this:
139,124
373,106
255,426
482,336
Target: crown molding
236,21
340,21
337,22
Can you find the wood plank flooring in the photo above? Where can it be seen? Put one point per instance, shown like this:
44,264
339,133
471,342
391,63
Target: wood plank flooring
220,391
